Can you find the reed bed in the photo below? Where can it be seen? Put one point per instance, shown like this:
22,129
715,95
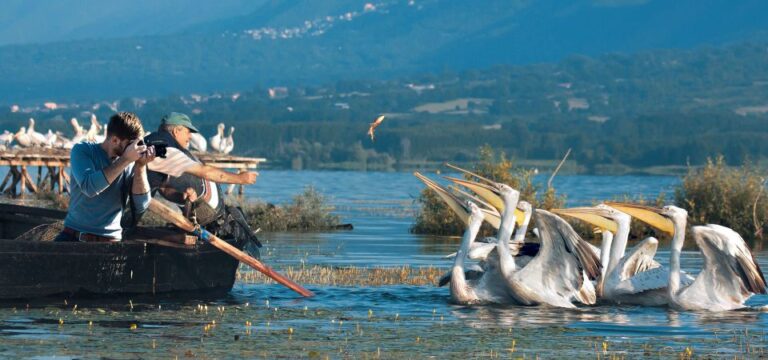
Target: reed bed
349,276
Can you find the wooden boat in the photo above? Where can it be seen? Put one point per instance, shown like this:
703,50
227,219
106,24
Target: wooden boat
141,264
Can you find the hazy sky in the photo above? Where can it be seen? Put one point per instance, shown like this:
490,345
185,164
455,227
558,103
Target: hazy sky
33,21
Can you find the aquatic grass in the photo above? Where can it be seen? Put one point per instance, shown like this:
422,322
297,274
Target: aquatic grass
349,276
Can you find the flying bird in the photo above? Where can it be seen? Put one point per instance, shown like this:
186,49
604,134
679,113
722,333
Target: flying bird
374,125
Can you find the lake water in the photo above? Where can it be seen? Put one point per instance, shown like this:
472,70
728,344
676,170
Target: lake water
268,321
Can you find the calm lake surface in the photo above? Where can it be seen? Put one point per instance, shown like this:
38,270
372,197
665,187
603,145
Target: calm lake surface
268,321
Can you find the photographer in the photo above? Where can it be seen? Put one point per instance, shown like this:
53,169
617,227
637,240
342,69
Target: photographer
180,177
105,178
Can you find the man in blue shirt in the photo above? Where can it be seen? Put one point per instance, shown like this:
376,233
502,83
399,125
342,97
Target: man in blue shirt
103,176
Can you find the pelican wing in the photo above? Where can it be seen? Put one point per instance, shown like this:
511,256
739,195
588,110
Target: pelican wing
729,265
651,279
562,260
639,259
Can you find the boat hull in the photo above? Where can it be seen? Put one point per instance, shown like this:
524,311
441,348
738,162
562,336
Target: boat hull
34,269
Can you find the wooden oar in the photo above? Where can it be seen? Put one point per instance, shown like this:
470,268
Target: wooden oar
183,223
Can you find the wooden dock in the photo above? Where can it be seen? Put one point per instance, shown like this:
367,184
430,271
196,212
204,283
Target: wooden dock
18,181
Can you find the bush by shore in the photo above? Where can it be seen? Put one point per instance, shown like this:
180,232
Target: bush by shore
309,211
732,197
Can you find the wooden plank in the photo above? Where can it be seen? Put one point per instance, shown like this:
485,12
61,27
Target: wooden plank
32,211
52,176
11,190
28,179
5,181
22,184
61,180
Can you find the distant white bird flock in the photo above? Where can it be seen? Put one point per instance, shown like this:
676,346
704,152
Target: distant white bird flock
28,137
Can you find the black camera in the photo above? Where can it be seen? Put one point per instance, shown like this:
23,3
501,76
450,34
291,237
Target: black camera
161,148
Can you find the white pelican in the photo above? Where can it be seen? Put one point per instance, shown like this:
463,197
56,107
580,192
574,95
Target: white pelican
489,260
80,134
480,250
102,137
6,138
228,144
93,132
486,288
501,197
197,142
635,278
50,138
37,138
463,291
62,141
216,141
730,275
556,275
23,138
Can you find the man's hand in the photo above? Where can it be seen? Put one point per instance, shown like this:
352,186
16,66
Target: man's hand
248,177
134,151
147,157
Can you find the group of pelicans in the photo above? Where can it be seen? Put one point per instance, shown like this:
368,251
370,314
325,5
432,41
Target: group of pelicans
28,137
561,268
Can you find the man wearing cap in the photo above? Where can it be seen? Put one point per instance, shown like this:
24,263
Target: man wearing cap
182,178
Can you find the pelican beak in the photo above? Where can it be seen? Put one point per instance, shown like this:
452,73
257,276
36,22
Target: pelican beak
490,194
467,172
649,215
593,216
486,192
458,206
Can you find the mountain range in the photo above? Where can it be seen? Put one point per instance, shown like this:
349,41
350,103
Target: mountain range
186,46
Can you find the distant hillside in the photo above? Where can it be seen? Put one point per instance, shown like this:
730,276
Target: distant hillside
291,42
617,112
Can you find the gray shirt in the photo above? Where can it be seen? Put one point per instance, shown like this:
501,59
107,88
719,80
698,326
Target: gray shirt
95,206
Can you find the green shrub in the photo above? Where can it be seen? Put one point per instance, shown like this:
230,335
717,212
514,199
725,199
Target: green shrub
309,211
436,218
732,197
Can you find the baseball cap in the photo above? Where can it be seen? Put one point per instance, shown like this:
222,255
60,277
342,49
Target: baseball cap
175,118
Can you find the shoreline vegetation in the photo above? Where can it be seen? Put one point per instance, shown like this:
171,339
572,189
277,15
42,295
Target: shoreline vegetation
714,193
